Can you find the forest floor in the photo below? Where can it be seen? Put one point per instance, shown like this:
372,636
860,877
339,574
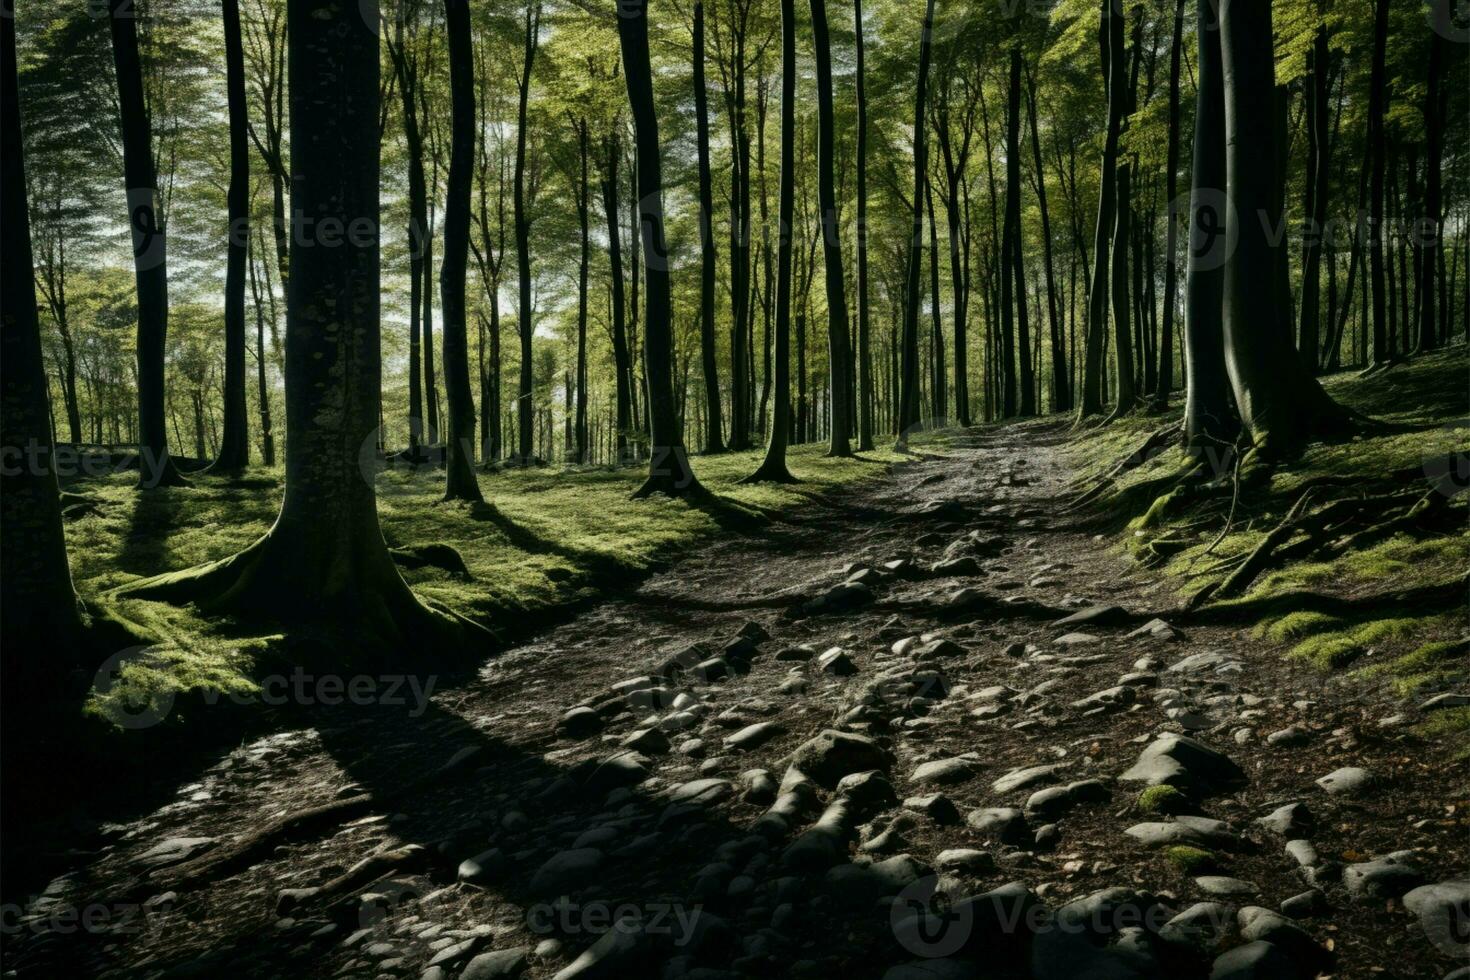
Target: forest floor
865,739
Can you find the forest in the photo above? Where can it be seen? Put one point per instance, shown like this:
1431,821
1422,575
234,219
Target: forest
791,460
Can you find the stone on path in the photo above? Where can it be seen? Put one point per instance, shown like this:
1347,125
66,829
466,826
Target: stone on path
1186,764
829,756
1348,781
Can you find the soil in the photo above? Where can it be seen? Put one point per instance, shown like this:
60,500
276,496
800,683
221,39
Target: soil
522,789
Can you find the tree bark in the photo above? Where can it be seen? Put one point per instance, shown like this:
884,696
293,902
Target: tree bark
1319,156
714,440
324,561
234,450
1429,233
1209,421
1111,28
668,470
908,413
866,395
150,251
1061,399
1171,232
525,411
1281,404
43,626
773,468
938,396
621,359
1027,405
1377,110
459,443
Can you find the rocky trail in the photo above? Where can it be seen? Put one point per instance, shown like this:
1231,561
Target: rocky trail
925,728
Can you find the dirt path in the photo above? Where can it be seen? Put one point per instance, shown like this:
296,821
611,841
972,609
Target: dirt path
652,803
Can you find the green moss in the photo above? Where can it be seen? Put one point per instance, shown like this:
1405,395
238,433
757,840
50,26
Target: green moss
1163,799
1450,727
1336,649
1192,860
1440,663
1295,626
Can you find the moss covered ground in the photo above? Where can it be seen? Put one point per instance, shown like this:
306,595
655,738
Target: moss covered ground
1354,610
563,536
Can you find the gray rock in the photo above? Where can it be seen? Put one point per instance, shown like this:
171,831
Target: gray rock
625,768
862,882
943,772
566,871
1186,764
1204,926
1207,662
1099,615
483,867
1303,853
1193,831
623,951
867,792
649,740
1348,781
840,598
935,806
1225,887
939,649
1263,925
1289,737
1076,640
1292,821
1156,629
836,662
580,722
966,859
1305,905
702,791
1110,699
1386,877
1444,913
1049,803
1254,961
497,964
829,756
1005,824
1026,778
760,786
754,736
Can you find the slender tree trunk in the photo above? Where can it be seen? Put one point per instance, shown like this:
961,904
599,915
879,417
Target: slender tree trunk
150,251
234,451
1028,403
714,440
669,471
939,399
43,626
584,206
1171,231
1319,155
459,445
837,352
1111,41
773,468
1060,394
1281,404
908,414
1377,110
621,357
525,409
267,436
1430,232
865,355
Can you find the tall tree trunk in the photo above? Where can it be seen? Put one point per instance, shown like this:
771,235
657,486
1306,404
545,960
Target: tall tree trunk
1061,399
525,410
866,394
262,397
459,444
1430,232
406,71
324,560
1209,423
1111,28
1281,405
1319,156
234,450
1027,406
908,413
584,207
1377,110
773,468
621,357
1171,231
668,471
43,626
714,440
150,251
939,400
837,352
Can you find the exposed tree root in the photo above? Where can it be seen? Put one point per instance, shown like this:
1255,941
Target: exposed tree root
1151,447
410,857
